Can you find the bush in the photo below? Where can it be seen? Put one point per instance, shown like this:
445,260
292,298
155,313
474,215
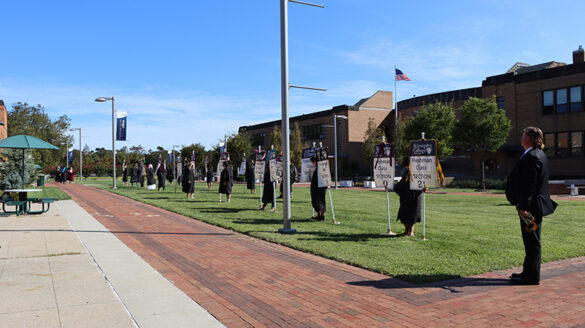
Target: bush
474,183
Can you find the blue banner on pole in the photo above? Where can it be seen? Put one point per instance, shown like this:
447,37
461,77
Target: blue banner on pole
70,155
121,127
170,156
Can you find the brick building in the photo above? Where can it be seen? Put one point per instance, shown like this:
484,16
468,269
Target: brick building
3,121
318,127
548,95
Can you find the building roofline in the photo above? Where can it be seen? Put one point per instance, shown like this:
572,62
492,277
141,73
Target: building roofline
532,76
299,118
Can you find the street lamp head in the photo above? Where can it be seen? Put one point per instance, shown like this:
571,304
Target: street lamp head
341,116
103,99
74,129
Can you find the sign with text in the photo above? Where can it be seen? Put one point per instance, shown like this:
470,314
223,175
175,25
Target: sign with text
323,168
121,125
260,164
225,156
384,166
272,165
307,167
423,164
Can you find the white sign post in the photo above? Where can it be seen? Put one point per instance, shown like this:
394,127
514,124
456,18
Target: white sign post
423,170
384,174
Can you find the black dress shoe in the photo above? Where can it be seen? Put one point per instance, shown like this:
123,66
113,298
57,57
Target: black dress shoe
516,275
522,281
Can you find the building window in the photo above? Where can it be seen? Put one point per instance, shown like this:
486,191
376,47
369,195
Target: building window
577,143
563,144
548,102
313,132
561,100
258,139
501,101
549,144
576,100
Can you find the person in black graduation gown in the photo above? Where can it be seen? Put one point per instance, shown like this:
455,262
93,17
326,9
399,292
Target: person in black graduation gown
209,176
268,192
125,174
188,183
142,171
135,177
292,177
150,181
317,195
250,176
409,212
161,175
226,180
527,189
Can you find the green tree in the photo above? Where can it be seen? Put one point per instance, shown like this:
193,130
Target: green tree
372,137
296,146
276,138
200,153
238,144
11,169
32,120
436,121
483,127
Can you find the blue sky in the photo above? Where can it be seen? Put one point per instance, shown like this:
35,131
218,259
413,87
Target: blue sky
192,71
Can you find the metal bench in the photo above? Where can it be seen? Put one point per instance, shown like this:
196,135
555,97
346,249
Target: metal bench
42,201
19,206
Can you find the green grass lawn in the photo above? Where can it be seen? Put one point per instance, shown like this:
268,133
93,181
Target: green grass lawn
466,234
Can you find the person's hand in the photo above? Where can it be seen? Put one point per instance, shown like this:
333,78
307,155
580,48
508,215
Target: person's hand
524,213
424,189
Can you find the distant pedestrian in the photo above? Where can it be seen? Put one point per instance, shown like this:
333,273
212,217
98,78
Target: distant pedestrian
292,177
209,176
226,180
409,212
125,173
188,183
250,176
268,192
161,174
317,194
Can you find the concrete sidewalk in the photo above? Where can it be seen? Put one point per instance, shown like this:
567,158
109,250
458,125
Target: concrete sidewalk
64,269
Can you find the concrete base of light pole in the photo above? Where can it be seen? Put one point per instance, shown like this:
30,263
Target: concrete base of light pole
389,233
287,231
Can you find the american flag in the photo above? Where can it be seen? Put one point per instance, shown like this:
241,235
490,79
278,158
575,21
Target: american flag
401,76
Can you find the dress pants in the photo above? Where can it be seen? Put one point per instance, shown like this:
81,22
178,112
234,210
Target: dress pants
532,247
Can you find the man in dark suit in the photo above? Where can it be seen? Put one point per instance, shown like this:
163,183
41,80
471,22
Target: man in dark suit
527,189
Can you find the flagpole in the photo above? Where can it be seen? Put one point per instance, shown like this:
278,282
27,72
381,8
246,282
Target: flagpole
395,110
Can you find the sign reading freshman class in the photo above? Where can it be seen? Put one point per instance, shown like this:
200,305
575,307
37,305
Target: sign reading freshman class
423,164
384,165
260,164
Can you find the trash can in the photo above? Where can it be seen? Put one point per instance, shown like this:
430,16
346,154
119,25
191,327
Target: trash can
574,190
41,181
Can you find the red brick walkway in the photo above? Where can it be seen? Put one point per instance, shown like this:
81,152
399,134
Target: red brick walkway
246,282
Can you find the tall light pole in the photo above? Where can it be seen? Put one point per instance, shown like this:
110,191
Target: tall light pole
104,99
335,117
284,86
80,155
66,152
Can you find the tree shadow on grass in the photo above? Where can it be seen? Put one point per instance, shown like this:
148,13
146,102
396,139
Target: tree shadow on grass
358,237
505,204
262,220
221,209
450,282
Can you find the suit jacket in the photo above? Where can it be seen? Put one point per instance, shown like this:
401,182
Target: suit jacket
527,185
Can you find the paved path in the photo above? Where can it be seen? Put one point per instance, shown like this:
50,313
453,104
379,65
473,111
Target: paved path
245,282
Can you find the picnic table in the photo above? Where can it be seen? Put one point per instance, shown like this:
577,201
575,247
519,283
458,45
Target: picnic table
22,203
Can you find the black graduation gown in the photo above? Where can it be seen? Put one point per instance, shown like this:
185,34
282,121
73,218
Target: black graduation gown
209,174
125,175
141,173
135,175
250,177
188,184
226,181
268,192
410,208
150,177
161,174
317,194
